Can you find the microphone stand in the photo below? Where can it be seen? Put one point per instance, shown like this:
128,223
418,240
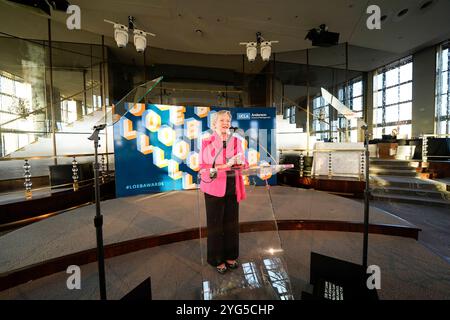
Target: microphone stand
98,220
366,196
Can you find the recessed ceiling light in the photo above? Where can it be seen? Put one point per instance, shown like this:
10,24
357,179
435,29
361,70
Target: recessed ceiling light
426,4
402,12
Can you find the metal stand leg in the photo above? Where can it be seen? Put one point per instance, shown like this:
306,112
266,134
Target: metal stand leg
98,220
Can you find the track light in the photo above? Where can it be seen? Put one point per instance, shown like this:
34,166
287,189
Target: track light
266,50
140,40
121,35
252,48
252,51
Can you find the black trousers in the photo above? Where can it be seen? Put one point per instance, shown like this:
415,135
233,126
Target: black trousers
222,220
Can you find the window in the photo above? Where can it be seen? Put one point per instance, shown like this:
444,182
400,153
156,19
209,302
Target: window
351,95
15,109
289,113
442,90
321,111
393,99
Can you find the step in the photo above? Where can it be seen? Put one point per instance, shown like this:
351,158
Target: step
399,163
426,194
406,182
410,199
393,165
406,173
388,169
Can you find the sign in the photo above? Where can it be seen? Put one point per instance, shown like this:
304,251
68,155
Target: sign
156,147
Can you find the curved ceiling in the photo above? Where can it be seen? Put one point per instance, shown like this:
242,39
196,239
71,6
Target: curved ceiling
223,24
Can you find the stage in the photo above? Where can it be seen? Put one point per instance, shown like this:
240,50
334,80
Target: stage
157,236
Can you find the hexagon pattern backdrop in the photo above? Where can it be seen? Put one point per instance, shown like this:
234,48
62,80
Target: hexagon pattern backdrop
156,147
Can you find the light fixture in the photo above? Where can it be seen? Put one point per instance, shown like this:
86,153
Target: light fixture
121,34
252,51
140,40
266,50
252,48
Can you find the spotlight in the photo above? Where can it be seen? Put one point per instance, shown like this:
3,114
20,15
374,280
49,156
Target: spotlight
252,51
252,48
321,37
140,40
266,50
121,35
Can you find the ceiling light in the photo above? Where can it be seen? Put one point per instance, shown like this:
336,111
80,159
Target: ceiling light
252,48
402,12
140,41
266,50
252,51
121,35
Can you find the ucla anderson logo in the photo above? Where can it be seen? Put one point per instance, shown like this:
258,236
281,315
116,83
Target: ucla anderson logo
243,116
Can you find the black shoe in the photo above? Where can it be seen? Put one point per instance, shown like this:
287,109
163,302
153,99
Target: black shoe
221,270
233,265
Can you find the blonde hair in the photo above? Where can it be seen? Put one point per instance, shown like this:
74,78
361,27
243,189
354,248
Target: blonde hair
216,116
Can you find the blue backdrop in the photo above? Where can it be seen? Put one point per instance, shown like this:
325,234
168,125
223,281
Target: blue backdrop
156,147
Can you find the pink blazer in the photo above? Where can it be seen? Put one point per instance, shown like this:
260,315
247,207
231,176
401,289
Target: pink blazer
210,147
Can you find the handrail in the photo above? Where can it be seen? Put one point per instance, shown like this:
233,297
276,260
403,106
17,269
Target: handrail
55,157
110,174
333,150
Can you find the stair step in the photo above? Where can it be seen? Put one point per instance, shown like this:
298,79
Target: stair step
394,173
433,194
392,166
410,199
388,169
405,182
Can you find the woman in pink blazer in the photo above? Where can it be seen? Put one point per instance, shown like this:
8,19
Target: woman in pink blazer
221,157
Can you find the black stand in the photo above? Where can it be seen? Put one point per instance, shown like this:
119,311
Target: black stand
98,220
366,196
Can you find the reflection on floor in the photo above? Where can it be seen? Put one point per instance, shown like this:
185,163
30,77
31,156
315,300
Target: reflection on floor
266,279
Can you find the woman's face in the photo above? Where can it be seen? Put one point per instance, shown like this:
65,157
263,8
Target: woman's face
223,124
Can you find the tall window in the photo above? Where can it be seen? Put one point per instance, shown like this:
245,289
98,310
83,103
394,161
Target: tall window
15,106
442,90
289,113
351,95
393,99
321,111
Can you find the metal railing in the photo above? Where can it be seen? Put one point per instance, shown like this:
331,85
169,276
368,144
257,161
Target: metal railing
425,145
75,184
329,152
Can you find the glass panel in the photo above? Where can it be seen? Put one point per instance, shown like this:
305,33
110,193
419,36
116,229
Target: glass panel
443,105
392,95
406,72
24,114
378,115
378,82
357,104
378,98
357,89
444,87
404,131
377,132
445,60
406,92
443,127
405,111
392,77
392,114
